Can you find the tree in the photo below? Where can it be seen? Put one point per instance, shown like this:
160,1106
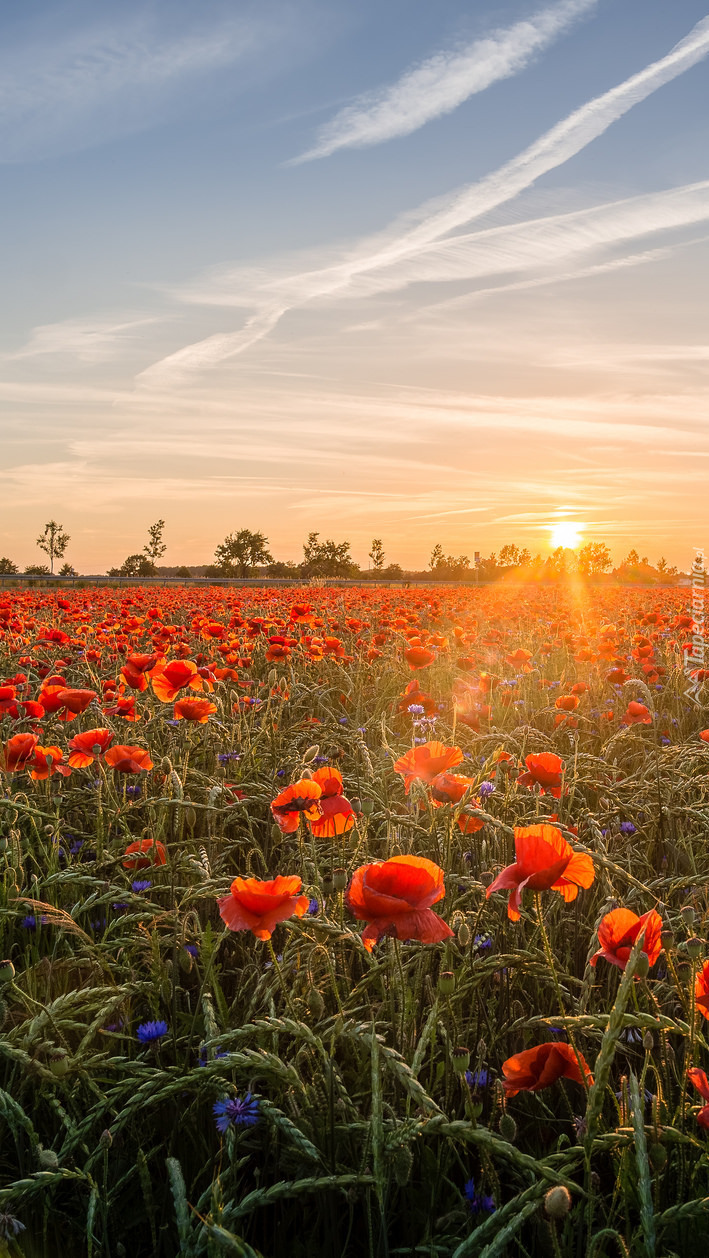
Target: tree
68,570
593,558
437,557
662,566
376,554
53,542
8,567
135,566
512,557
156,547
241,552
183,572
327,559
36,570
283,568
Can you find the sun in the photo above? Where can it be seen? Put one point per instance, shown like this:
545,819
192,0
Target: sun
566,534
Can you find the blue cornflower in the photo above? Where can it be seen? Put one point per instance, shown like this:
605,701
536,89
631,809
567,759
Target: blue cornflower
204,1058
135,791
280,773
665,742
342,720
486,788
479,1202
627,827
416,709
148,1032
225,757
29,922
173,723
141,884
233,1112
418,741
482,942
477,1079
193,950
75,846
313,907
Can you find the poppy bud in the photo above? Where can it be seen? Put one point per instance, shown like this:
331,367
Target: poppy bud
446,983
461,1059
667,939
328,884
311,753
49,830
7,971
464,934
642,969
166,765
273,677
367,807
96,749
105,1140
657,1154
48,1159
508,1127
476,1108
687,914
356,806
190,816
59,1064
316,1004
695,947
275,834
486,877
557,1202
339,878
648,1041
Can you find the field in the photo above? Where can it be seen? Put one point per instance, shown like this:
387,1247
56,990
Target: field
394,1047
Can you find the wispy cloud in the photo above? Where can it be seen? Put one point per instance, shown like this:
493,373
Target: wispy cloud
440,84
366,267
118,75
88,340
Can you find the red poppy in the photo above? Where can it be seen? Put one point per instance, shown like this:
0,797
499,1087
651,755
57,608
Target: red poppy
198,710
618,931
124,706
338,815
637,714
73,703
539,1067
449,788
259,906
395,898
126,759
18,750
701,989
8,702
704,735
143,853
86,748
301,797
135,668
567,703
699,1079
545,861
46,762
426,762
169,679
415,696
545,770
418,657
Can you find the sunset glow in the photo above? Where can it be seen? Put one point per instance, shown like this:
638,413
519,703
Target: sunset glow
566,534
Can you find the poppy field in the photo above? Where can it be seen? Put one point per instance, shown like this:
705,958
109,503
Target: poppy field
349,922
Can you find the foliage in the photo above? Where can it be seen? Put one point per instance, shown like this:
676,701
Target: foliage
155,547
135,566
7,567
241,552
53,541
377,555
327,558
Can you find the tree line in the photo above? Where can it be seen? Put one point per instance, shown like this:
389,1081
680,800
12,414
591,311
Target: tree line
244,553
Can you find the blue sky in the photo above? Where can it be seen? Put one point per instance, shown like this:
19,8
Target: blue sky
425,272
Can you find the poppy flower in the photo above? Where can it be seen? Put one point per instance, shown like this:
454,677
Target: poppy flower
637,714
449,788
135,668
73,702
198,710
567,703
169,679
394,897
419,657
539,1067
124,707
699,1079
414,696
544,862
545,770
259,906
301,797
46,762
426,762
8,702
18,751
338,815
126,759
701,989
87,747
143,853
617,934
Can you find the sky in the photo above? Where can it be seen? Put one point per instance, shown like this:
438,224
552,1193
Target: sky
427,273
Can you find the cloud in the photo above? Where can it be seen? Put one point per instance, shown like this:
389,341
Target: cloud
366,267
443,82
88,340
117,77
